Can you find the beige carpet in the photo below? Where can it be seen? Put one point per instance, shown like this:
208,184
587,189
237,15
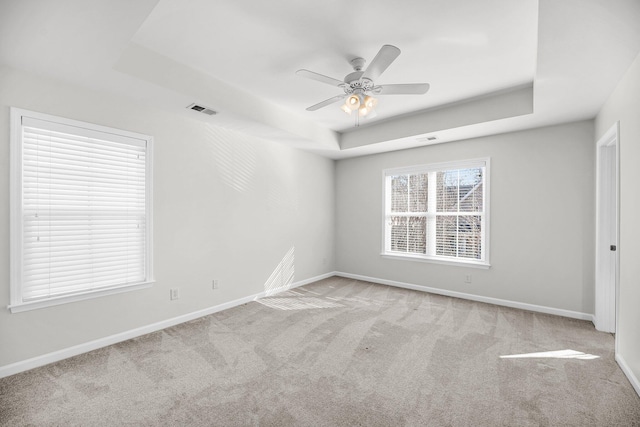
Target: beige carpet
339,352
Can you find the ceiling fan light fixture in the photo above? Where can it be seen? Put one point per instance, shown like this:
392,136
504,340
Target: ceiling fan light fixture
370,102
353,102
367,106
346,108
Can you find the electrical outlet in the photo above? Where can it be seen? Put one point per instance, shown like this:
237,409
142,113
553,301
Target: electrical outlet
175,293
467,278
214,284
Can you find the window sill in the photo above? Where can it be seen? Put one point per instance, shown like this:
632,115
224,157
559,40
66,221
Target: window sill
434,260
34,305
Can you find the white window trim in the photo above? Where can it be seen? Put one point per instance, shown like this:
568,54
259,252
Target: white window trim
460,262
15,212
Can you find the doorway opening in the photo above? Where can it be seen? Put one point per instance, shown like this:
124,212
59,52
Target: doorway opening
607,251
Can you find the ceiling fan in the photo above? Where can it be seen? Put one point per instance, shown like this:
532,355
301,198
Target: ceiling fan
359,86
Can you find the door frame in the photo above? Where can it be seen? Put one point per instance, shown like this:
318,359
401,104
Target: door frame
607,263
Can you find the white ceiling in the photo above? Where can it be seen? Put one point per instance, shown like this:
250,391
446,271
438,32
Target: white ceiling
461,48
524,63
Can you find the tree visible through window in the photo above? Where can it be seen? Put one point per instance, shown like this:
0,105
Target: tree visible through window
437,211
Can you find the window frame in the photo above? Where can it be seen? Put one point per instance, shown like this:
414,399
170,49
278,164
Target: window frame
16,212
484,263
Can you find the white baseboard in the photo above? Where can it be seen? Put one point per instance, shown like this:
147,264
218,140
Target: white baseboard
25,365
472,297
628,372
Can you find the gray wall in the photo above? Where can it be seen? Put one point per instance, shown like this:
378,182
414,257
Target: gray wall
542,218
624,105
231,207
226,206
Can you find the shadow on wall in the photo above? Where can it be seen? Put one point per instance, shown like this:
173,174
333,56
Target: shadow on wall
282,275
234,156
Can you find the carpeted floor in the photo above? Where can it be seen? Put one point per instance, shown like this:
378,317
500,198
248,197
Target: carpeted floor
339,352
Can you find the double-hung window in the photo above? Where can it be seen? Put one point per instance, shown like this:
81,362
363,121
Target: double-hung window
80,210
438,212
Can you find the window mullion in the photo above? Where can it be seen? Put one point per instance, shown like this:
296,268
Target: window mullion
432,191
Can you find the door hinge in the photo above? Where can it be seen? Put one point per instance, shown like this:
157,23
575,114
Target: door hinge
612,247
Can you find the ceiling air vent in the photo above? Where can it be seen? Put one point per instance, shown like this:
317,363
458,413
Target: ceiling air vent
201,109
427,138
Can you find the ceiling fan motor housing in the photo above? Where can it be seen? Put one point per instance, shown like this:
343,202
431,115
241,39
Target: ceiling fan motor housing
354,81
356,84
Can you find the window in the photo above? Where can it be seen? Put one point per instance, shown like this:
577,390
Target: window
80,210
438,212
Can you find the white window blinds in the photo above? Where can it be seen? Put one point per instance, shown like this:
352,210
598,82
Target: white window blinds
438,212
84,210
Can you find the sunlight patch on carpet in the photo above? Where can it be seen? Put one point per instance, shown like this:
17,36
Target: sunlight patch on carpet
299,303
558,354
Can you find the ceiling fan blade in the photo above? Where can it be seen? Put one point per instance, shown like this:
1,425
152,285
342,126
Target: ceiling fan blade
386,55
326,102
320,77
403,89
